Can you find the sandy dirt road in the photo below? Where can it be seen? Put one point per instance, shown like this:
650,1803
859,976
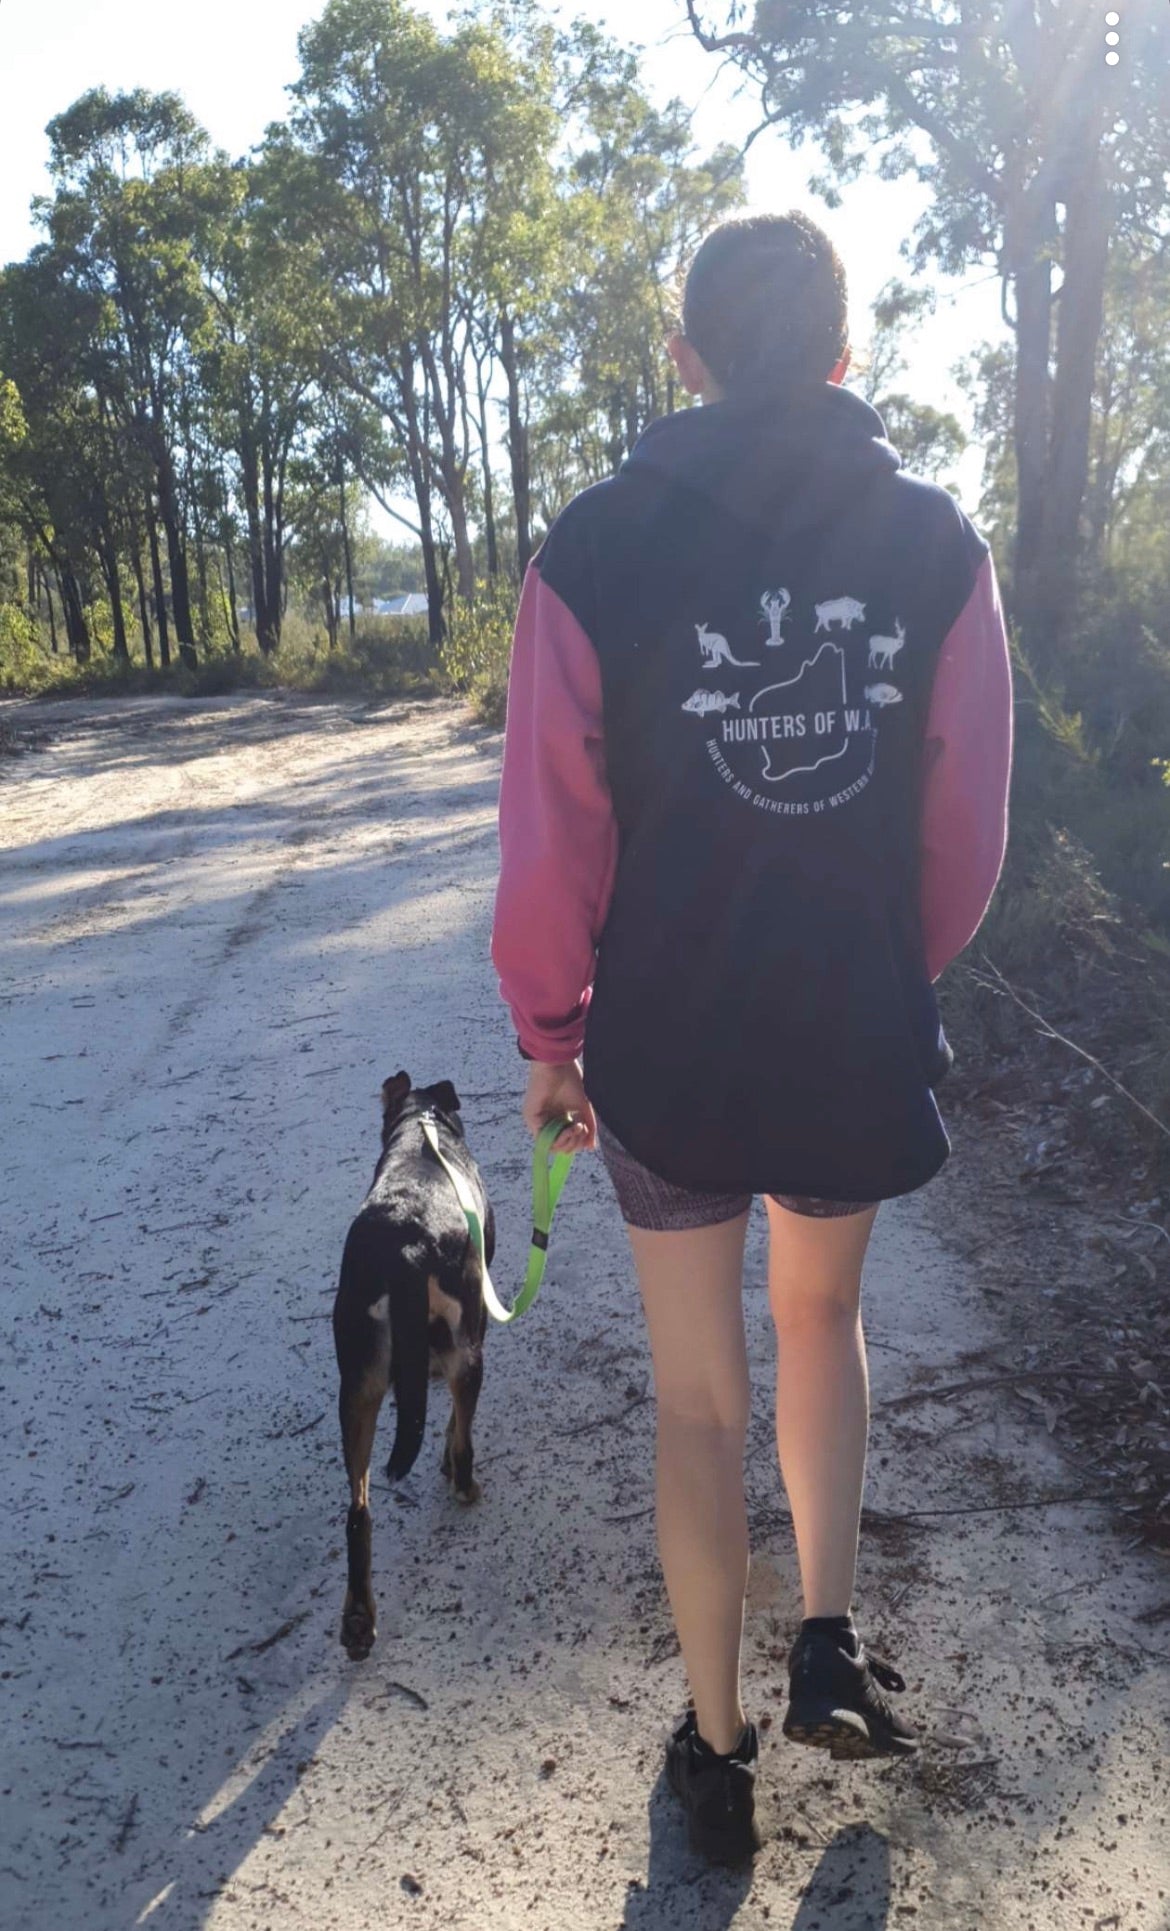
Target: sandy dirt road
222,925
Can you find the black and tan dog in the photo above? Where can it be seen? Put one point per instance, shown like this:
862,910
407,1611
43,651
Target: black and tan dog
409,1305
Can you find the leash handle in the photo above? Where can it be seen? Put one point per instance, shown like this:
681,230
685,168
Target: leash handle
549,1173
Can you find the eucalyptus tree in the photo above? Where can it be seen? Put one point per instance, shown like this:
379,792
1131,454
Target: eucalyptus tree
401,145
136,187
258,367
636,198
45,330
929,440
1038,153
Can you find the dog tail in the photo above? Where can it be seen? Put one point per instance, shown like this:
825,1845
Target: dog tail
409,1369
381,1323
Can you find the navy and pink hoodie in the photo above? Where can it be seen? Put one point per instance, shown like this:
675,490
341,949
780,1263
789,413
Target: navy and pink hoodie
754,797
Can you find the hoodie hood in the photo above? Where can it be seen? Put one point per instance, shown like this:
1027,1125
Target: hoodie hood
779,463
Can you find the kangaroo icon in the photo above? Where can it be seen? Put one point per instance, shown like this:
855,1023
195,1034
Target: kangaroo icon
883,650
716,650
845,611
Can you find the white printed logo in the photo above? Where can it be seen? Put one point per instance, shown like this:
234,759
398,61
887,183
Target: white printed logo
845,611
774,604
771,747
700,702
883,650
777,714
716,650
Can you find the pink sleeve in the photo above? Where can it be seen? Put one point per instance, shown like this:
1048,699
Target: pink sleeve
968,764
558,835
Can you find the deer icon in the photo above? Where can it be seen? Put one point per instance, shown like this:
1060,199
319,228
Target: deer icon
883,650
716,650
774,604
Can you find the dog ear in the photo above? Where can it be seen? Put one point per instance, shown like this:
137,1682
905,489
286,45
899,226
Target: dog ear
445,1096
394,1091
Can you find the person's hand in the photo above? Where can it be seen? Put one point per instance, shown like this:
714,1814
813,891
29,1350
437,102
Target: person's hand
554,1092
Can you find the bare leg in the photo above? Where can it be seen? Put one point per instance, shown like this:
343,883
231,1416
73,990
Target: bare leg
822,1393
691,1286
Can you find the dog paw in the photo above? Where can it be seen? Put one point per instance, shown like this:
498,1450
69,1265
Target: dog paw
469,1494
358,1633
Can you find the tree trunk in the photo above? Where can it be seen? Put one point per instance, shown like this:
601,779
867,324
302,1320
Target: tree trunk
160,602
143,609
436,628
274,601
489,511
108,558
418,464
1029,243
518,450
250,478
332,613
451,474
346,549
47,581
76,627
168,504
1080,317
233,613
196,519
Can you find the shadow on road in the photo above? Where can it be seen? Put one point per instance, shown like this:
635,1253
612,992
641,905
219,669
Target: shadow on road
675,1871
850,1888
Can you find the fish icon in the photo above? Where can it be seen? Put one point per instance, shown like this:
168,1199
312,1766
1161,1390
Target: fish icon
700,702
882,694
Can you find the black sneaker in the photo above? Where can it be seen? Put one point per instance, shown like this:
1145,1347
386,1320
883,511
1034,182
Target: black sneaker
835,1704
717,1793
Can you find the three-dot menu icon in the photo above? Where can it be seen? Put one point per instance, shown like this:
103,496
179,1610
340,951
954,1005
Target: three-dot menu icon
1112,39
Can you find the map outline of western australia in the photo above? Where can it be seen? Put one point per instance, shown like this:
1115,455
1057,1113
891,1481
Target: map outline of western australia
790,725
798,725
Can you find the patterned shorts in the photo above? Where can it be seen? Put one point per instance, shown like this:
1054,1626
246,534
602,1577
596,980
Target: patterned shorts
659,1206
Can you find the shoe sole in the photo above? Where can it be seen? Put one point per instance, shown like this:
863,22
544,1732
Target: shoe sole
846,1736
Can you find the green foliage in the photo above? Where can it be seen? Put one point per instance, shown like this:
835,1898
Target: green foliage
478,647
389,657
21,658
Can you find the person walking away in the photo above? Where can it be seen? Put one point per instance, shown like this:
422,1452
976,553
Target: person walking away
754,800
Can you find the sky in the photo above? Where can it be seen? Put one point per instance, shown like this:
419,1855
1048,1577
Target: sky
232,60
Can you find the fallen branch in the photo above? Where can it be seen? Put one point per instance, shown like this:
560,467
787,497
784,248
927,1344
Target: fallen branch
127,1824
949,1388
305,1426
412,1696
1049,1031
605,1421
997,1508
277,1636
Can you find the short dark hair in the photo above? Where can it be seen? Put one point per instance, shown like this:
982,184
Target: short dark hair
766,306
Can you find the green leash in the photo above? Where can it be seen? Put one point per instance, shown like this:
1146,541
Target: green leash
549,1172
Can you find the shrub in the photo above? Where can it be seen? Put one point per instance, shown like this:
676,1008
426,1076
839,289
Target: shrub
478,648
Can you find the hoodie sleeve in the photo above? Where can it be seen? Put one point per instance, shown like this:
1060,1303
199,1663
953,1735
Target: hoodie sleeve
968,766
558,834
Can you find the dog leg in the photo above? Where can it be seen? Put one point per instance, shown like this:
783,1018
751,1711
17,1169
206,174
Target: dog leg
359,1405
465,1379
